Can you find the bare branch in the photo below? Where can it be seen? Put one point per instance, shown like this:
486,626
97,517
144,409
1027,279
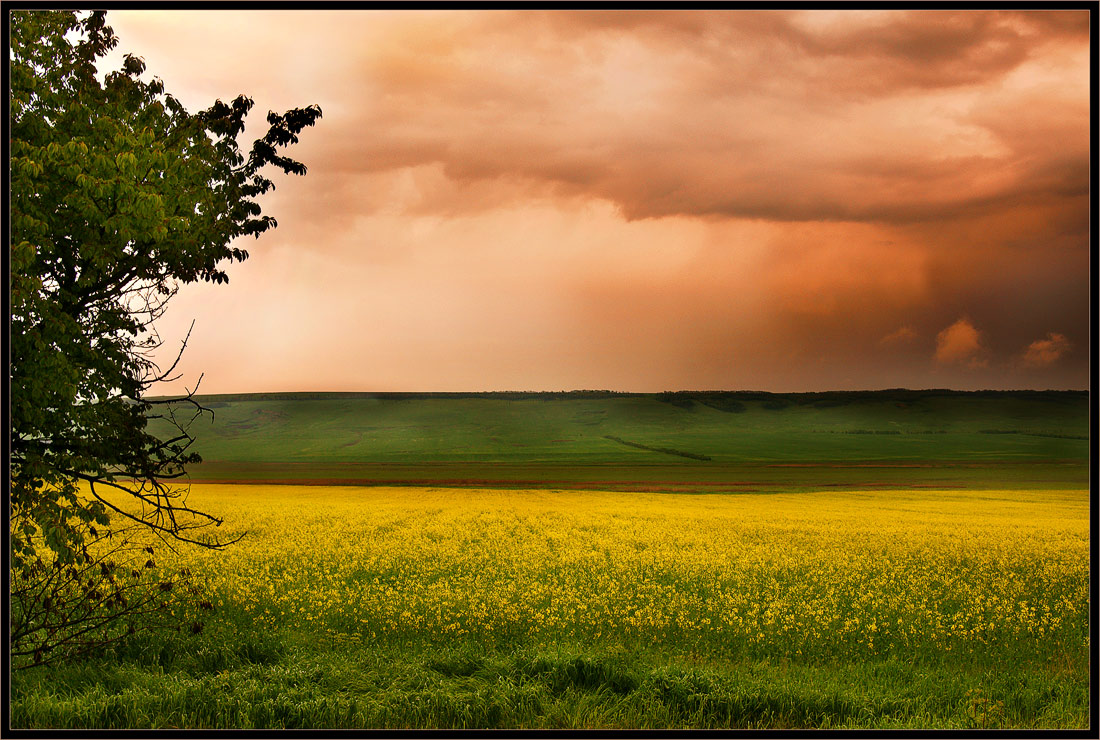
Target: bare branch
183,346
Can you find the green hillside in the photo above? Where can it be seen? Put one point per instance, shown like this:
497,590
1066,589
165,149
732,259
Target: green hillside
466,435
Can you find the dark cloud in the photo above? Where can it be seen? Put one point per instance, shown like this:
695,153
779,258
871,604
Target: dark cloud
802,116
626,107
647,200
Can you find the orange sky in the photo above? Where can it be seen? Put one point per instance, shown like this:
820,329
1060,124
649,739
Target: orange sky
647,201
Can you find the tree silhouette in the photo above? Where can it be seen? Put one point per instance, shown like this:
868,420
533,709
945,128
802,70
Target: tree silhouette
118,197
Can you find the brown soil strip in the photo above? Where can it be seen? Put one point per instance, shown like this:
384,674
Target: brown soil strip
490,482
635,486
943,464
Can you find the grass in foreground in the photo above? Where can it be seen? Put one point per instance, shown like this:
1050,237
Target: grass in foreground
234,681
413,607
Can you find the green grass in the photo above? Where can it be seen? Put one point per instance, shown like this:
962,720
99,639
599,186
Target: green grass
941,437
226,680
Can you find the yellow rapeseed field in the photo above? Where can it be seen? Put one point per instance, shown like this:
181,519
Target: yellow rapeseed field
800,574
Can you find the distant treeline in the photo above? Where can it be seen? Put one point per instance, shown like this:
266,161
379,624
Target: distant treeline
1031,434
729,401
733,401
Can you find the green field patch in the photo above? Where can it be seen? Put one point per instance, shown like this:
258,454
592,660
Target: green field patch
571,429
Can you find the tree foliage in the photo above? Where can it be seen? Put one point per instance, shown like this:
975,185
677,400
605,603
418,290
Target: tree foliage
118,196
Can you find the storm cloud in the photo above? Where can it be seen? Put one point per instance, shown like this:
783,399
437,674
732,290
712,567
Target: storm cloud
650,200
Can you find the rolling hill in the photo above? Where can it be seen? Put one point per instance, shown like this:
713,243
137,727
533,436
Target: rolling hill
594,435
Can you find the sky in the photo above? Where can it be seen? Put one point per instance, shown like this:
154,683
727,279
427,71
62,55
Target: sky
647,201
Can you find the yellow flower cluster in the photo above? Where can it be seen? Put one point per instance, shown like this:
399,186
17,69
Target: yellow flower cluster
795,574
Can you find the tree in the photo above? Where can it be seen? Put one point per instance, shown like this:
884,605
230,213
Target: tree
118,197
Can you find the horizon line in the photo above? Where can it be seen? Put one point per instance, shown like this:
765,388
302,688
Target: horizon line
624,393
